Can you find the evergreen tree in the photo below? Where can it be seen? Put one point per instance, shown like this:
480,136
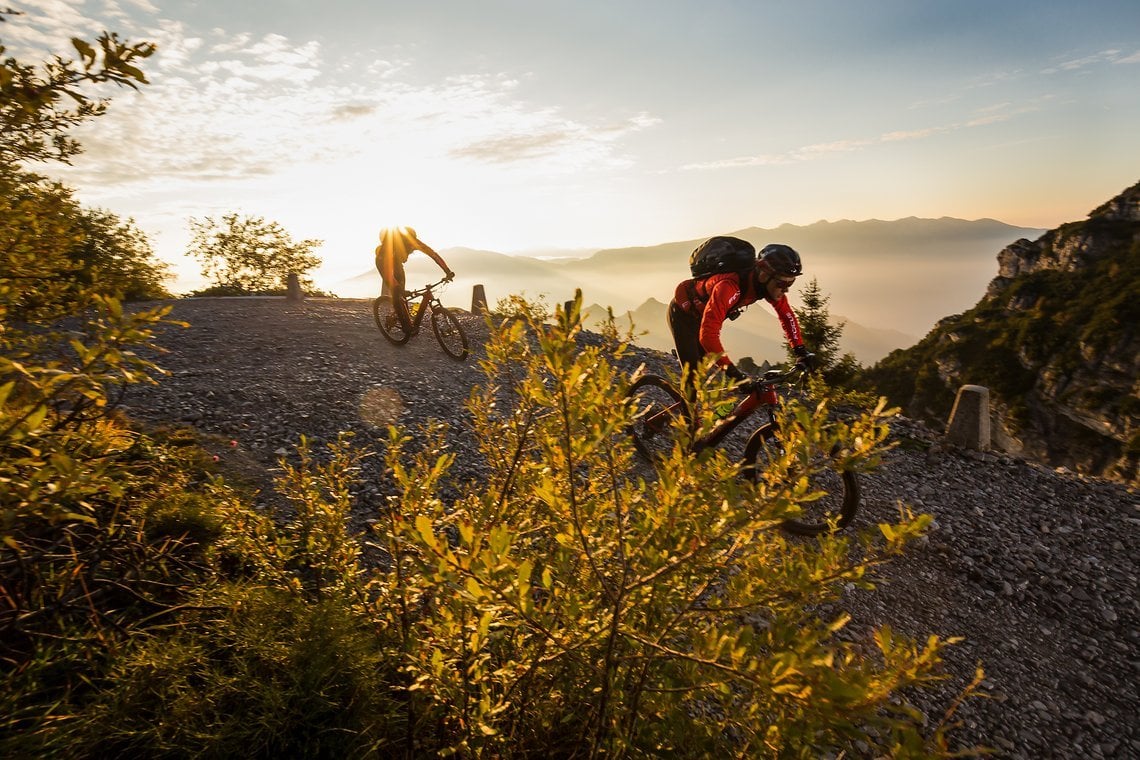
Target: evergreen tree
822,337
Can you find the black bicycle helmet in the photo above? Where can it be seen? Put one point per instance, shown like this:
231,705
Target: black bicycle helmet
781,260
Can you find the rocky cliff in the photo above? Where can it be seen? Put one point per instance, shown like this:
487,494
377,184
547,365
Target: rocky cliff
1055,339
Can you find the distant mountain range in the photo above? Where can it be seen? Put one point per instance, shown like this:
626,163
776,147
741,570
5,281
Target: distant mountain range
890,280
1055,338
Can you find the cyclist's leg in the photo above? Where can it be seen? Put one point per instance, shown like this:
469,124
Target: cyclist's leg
399,304
686,331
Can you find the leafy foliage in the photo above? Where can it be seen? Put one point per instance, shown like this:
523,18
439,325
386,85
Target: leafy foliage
116,257
569,603
39,104
51,249
565,606
250,255
77,581
39,226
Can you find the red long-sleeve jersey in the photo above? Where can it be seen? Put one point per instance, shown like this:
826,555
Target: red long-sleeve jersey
712,299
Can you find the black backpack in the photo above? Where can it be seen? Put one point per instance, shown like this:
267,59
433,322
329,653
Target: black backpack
722,254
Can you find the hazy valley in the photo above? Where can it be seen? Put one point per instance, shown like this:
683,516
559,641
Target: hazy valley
890,281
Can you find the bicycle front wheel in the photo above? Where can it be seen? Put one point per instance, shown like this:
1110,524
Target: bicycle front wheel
656,403
449,333
835,493
384,312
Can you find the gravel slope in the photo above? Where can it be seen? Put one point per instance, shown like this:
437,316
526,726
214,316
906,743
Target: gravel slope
1036,569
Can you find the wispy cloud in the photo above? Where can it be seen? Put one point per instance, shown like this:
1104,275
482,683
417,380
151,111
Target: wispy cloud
903,135
991,114
798,155
1084,62
515,147
553,140
227,105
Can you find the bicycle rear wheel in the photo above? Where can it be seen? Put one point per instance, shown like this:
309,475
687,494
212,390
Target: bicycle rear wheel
389,323
656,404
449,333
839,490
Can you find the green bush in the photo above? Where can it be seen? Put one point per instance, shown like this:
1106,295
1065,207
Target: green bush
245,255
257,672
568,606
190,516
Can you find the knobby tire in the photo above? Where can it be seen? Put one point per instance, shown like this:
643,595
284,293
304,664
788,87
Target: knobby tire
449,333
832,511
390,325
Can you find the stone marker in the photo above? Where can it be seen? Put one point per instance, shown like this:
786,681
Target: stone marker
478,300
969,425
293,290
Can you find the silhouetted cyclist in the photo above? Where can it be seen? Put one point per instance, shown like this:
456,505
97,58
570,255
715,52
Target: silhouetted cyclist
396,245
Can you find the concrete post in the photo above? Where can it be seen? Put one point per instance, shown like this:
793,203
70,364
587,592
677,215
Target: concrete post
293,288
969,424
478,300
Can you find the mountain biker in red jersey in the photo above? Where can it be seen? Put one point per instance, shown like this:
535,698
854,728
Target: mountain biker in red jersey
396,245
700,306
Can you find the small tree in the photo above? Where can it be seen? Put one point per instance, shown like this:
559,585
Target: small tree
38,227
822,337
244,255
42,234
116,258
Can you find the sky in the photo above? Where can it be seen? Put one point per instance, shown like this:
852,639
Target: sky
525,126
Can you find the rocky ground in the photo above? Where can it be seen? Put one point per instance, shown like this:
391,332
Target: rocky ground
1036,569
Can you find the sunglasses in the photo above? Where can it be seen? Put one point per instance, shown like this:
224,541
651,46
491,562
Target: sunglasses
785,284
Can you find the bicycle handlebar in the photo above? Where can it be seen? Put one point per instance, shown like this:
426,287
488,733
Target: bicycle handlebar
425,288
780,375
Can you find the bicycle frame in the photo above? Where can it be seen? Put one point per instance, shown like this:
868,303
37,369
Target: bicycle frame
426,297
763,396
834,498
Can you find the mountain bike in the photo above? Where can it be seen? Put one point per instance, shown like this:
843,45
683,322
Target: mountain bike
657,403
444,324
